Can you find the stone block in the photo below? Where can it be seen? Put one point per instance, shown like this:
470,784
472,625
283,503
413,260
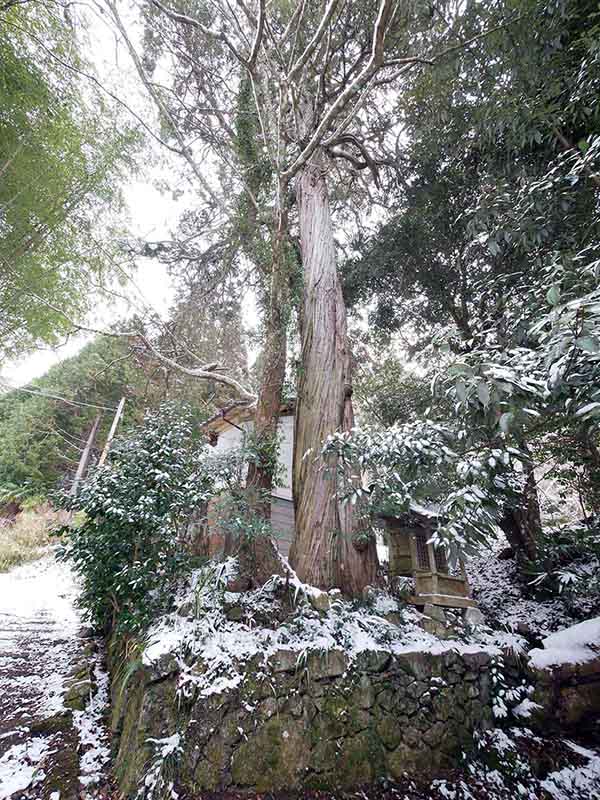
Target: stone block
284,661
373,661
320,601
326,664
435,612
389,731
474,617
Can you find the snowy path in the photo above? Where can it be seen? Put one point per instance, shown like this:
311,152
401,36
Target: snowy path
44,748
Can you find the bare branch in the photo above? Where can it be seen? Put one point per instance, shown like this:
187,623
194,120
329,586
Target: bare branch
207,372
194,23
373,65
310,48
155,96
259,34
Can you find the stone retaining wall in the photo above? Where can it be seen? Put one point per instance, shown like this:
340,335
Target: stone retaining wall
313,722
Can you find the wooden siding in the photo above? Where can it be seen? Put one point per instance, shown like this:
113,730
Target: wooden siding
282,521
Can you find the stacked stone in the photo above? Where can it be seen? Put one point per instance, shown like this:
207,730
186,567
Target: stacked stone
318,721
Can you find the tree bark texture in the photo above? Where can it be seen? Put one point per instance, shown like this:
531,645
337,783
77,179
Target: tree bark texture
324,551
522,524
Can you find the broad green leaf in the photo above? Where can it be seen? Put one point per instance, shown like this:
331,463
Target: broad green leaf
553,295
505,421
483,393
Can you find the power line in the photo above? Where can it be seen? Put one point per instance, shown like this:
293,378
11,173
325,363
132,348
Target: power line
9,388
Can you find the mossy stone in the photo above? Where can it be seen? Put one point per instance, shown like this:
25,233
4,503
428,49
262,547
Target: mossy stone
275,757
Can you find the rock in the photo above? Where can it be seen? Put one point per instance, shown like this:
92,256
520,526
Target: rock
77,695
326,663
387,699
366,698
186,609
56,724
284,661
320,601
436,628
435,612
474,617
401,761
435,735
167,664
476,661
373,660
275,757
357,760
390,732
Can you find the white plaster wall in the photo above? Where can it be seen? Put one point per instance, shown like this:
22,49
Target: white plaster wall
233,437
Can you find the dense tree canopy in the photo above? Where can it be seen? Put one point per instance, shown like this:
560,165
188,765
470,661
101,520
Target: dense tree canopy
450,153
61,161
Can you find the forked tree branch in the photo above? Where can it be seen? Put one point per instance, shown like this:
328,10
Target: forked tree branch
205,372
362,79
184,150
194,23
260,27
310,48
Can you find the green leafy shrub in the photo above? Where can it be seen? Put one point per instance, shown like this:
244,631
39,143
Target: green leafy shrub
568,564
128,548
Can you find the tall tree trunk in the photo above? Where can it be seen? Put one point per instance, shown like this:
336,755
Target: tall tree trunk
325,552
258,557
522,524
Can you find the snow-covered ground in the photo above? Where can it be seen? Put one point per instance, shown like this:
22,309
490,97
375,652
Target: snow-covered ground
40,643
504,601
575,645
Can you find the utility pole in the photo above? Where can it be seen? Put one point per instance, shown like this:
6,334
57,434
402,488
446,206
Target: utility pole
85,456
112,431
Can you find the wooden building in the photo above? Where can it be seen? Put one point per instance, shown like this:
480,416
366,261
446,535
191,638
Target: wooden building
412,555
226,431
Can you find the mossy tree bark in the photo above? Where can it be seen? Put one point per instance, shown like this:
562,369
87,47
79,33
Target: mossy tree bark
522,524
325,552
258,557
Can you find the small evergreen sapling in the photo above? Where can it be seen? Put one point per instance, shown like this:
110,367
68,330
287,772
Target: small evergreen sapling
127,550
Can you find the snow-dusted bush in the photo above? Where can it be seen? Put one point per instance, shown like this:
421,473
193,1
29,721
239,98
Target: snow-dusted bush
568,564
127,549
424,462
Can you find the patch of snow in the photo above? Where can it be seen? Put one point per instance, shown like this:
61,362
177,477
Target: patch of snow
569,782
155,783
574,645
93,737
524,708
43,588
20,766
224,646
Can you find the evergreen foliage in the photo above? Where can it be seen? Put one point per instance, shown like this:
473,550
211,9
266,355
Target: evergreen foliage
62,156
127,547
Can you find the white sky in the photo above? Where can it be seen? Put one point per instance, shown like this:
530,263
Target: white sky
152,214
